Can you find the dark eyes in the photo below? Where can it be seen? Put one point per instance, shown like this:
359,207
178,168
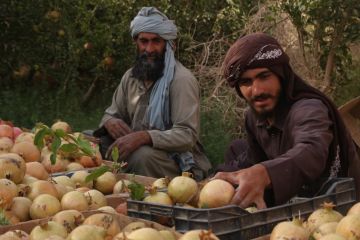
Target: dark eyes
248,81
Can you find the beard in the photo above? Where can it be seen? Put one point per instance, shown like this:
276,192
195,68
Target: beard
145,69
267,111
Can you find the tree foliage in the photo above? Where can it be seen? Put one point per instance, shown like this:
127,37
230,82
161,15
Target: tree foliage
325,30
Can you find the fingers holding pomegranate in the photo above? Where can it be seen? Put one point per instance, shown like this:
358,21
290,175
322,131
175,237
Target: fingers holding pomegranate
250,189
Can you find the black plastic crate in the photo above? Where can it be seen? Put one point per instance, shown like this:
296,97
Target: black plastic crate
232,222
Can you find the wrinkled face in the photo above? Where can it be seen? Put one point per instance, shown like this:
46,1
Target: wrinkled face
149,63
262,89
150,44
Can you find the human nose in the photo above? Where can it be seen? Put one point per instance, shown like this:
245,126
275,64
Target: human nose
257,87
150,48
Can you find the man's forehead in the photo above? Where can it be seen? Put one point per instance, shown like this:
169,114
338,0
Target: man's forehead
250,73
148,35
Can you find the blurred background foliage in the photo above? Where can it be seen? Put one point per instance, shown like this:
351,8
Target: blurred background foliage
63,59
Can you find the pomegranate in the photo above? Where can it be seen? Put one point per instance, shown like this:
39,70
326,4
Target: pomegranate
183,188
41,187
133,226
53,15
88,46
21,208
8,190
89,162
161,183
29,179
27,150
83,189
95,199
16,132
37,170
6,131
107,209
70,219
25,137
167,235
74,200
158,197
74,166
15,235
23,189
64,180
121,186
199,235
10,216
86,232
322,215
216,193
43,231
324,229
105,183
54,237
12,167
332,236
106,221
122,208
61,125
44,205
5,144
145,233
62,189
79,179
349,227
289,230
355,209
109,61
59,165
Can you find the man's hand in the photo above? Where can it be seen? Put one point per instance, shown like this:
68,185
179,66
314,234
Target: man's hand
129,143
117,128
251,182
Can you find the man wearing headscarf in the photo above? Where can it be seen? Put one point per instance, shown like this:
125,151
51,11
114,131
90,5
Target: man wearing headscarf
153,119
296,139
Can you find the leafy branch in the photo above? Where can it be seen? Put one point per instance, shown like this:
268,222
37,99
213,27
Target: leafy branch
115,168
75,146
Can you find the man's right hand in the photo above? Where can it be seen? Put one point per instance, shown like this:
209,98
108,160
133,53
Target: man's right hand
117,128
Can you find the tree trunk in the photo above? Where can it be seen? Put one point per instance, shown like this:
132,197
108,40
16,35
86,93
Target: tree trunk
90,92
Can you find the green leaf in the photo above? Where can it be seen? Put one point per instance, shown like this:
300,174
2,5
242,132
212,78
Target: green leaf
97,173
53,158
115,154
68,147
137,191
55,144
39,138
85,146
60,133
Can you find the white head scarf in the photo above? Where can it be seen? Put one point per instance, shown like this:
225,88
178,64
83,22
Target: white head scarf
151,20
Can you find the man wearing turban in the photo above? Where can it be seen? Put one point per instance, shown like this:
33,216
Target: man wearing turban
296,139
153,119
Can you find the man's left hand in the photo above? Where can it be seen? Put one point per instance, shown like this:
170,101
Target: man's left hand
129,143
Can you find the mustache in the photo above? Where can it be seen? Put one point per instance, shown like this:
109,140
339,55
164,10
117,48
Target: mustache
145,55
261,97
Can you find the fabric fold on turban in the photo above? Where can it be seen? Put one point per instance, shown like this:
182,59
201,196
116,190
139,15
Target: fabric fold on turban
252,51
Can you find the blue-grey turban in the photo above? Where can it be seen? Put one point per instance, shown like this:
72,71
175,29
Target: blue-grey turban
151,20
